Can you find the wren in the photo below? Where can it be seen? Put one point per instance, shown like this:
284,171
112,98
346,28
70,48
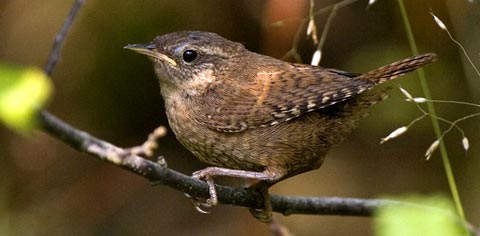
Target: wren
253,116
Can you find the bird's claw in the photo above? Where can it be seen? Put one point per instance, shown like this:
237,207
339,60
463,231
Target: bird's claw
202,207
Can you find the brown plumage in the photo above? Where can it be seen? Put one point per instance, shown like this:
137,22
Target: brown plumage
254,116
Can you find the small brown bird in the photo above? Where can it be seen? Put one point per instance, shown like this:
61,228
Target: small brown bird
254,116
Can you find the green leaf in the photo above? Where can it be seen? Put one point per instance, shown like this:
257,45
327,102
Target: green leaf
427,216
23,92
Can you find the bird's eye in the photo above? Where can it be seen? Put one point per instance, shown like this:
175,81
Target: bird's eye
189,55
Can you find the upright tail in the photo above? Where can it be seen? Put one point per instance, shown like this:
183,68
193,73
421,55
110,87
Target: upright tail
398,68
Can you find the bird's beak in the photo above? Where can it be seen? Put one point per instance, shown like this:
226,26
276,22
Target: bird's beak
149,50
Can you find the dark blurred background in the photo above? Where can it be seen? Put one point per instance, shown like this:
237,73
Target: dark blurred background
47,188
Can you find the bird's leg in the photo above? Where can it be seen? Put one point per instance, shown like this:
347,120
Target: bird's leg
207,174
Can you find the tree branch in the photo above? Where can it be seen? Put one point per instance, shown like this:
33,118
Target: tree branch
157,173
60,37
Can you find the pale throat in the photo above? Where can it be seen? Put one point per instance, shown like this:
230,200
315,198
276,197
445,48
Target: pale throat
199,83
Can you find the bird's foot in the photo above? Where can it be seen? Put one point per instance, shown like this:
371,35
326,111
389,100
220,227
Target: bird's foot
268,176
263,215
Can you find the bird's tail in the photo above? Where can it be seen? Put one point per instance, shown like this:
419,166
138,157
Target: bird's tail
398,68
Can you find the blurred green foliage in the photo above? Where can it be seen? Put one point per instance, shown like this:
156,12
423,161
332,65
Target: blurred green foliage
23,91
427,216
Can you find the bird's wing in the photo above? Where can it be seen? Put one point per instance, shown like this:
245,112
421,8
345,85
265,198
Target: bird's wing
277,96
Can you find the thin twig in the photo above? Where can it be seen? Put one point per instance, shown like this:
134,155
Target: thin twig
444,27
60,38
326,27
293,52
323,38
